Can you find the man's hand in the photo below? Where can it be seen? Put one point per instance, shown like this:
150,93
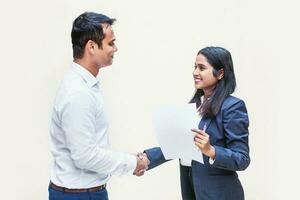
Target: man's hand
142,164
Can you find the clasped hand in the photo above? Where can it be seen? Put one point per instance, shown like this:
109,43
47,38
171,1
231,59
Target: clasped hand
142,164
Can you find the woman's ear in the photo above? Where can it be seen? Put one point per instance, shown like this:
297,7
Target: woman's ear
220,74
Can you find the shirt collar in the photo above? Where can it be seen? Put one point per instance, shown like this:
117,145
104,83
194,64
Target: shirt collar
85,74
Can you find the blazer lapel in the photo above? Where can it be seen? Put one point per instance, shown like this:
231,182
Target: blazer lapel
205,121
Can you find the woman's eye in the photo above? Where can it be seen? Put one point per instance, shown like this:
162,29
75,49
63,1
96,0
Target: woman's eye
200,67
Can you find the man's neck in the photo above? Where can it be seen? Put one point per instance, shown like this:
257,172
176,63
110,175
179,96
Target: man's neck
94,70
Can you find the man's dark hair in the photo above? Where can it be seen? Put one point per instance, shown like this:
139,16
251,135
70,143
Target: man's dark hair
88,27
219,58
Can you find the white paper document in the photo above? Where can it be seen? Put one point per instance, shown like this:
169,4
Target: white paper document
172,125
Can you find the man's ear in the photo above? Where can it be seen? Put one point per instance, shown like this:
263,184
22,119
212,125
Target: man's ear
90,47
220,74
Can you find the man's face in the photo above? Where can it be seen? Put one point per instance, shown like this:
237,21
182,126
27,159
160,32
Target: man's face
104,55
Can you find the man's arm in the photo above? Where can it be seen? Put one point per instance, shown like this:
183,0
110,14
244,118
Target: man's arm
78,120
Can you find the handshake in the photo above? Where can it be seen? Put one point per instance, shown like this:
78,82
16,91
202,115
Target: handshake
142,164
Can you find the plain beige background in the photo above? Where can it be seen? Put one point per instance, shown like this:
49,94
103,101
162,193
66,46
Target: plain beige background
158,41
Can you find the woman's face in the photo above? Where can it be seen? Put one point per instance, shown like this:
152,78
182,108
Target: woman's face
203,75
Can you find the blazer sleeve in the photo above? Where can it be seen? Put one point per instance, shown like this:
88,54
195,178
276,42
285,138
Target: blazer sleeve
235,156
155,157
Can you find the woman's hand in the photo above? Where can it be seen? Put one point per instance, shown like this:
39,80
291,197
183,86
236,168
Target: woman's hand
202,142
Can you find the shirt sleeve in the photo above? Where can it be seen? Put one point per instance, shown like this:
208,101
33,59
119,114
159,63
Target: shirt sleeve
235,156
78,123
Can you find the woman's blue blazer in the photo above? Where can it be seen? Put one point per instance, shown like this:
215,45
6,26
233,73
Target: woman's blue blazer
228,132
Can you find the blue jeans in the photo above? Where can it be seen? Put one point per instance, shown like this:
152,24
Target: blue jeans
58,195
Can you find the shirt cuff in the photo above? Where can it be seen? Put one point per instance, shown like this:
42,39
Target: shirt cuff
132,162
211,161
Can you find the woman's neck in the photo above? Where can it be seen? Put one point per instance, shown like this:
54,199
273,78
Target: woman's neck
208,93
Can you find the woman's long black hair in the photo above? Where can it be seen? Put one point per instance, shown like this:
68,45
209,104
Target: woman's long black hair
219,58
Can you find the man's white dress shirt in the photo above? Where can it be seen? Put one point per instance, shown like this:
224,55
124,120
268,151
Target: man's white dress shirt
78,135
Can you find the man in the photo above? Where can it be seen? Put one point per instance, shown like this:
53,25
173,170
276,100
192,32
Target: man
83,161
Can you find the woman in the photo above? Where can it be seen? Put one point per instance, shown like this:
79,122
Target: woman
222,136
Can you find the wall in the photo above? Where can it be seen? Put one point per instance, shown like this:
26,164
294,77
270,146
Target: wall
158,42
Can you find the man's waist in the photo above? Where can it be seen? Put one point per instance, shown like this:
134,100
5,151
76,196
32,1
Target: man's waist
69,176
65,189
